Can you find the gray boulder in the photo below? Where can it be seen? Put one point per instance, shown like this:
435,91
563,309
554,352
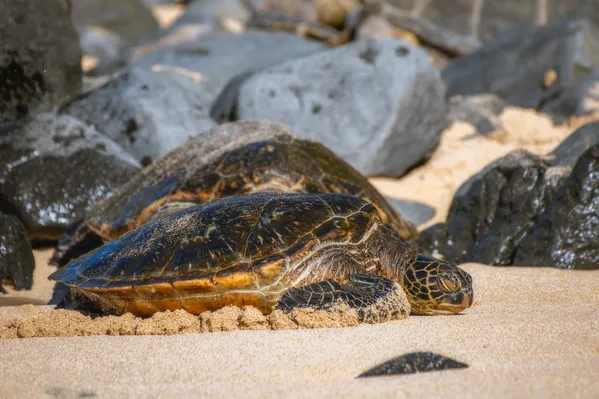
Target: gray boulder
527,67
40,59
527,210
53,168
148,112
16,257
566,234
218,57
379,104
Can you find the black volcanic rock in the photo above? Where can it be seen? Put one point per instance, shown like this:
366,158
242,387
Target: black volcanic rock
53,168
525,210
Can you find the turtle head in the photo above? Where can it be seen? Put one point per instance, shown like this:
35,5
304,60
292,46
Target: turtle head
436,287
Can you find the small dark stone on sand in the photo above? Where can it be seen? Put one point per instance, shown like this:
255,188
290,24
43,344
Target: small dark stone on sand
415,362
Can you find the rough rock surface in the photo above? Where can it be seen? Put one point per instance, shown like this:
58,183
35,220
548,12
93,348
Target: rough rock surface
527,67
16,257
566,234
149,112
40,59
526,210
53,168
218,57
474,22
379,104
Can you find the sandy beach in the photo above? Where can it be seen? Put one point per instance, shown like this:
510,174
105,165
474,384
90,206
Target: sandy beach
532,332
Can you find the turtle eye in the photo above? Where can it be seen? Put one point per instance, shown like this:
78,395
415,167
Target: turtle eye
450,283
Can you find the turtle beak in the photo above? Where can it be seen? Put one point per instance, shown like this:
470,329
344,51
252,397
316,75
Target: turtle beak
460,302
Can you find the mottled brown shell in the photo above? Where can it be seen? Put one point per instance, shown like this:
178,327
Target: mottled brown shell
254,156
242,250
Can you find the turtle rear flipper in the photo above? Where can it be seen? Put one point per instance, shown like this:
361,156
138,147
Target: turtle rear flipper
376,298
74,299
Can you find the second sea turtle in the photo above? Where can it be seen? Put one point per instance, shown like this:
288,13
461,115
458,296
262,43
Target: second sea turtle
235,158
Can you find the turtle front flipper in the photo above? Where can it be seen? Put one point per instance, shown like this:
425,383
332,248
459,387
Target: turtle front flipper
376,299
70,298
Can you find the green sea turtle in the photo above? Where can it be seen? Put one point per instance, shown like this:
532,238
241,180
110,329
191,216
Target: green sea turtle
269,250
235,158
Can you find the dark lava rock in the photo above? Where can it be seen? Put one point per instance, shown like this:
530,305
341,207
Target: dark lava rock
40,59
416,362
53,168
148,112
379,104
474,22
566,234
16,257
525,210
526,68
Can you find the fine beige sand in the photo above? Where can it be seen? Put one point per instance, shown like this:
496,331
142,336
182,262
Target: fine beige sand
532,332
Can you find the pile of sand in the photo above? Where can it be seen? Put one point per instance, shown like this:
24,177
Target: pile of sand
44,321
